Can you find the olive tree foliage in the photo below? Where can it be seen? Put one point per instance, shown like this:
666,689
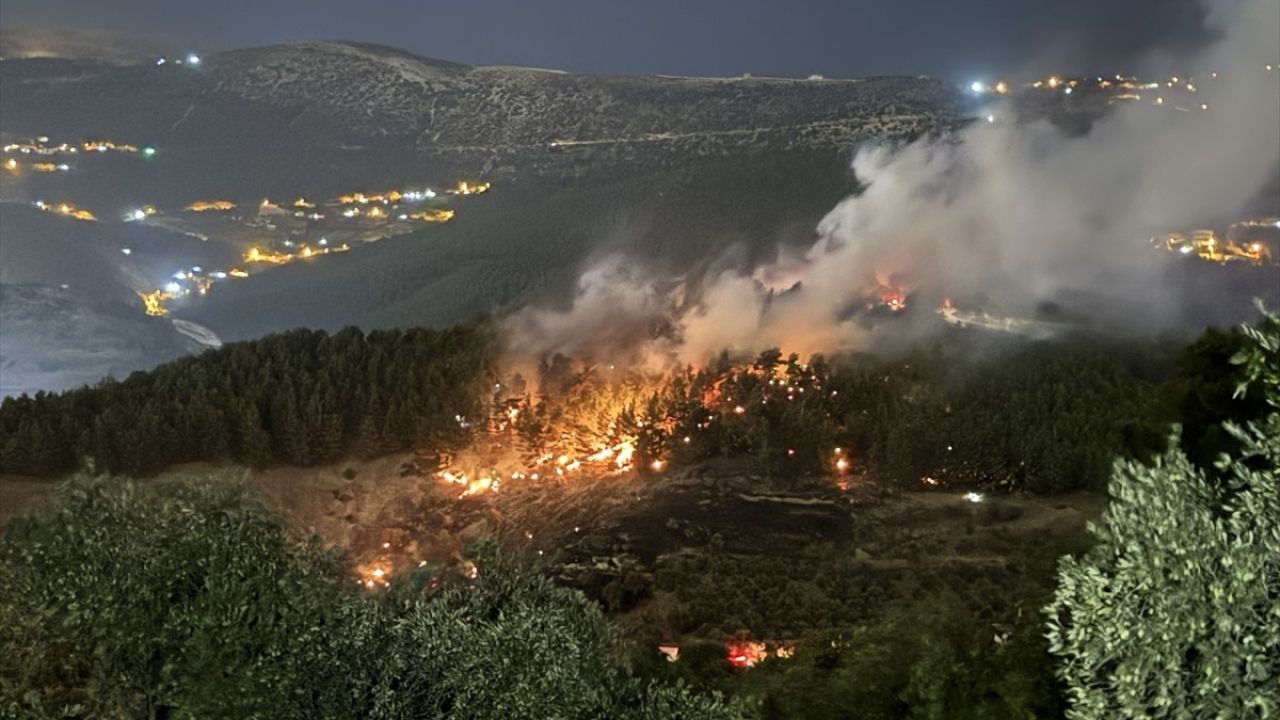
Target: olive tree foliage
514,645
1175,613
187,598
173,599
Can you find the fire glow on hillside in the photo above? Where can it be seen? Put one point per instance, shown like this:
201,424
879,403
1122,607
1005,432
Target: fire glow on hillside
600,421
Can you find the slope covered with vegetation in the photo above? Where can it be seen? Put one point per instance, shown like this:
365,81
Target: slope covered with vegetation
187,599
174,598
300,397
1040,415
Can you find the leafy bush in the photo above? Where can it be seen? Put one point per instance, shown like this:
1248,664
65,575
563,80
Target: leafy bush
187,599
1176,612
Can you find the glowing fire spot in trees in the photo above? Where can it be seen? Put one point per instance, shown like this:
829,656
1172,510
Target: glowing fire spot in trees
373,576
891,291
626,451
744,654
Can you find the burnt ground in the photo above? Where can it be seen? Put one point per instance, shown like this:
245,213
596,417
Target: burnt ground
708,552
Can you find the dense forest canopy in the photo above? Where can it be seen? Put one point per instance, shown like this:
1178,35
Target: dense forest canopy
302,397
306,397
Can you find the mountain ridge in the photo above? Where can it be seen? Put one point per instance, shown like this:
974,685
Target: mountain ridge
333,94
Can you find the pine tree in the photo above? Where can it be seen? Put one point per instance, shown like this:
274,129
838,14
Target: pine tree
252,444
325,426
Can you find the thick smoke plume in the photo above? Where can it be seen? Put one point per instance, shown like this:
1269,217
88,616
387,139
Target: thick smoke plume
1009,214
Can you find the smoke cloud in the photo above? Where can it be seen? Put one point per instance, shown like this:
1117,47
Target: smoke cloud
1011,214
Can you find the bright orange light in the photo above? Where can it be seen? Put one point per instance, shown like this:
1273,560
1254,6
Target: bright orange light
625,453
745,654
153,302
432,216
207,205
256,255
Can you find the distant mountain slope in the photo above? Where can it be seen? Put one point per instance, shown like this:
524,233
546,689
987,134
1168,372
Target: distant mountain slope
329,94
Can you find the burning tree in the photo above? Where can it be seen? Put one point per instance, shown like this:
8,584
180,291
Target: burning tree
775,409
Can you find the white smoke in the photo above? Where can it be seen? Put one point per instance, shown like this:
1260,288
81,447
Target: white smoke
1015,212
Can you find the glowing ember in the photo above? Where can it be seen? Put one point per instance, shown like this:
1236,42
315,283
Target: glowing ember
894,298
373,575
625,452
746,653
483,484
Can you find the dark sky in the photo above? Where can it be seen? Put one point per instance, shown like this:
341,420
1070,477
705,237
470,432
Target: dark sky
955,39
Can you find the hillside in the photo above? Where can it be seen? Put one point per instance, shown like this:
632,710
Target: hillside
682,170
329,95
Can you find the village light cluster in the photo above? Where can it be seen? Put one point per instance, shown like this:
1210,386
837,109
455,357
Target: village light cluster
191,59
41,146
1255,241
1175,91
368,206
67,209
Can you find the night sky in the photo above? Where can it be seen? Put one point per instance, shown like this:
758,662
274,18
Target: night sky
954,39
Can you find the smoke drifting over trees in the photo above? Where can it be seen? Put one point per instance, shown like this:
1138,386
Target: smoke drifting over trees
1009,214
